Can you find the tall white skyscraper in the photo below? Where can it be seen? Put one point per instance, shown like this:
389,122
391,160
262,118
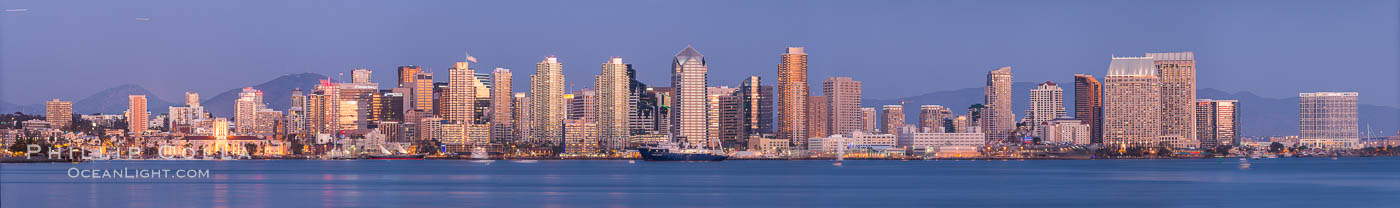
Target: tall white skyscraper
1132,103
613,105
689,111
1047,103
461,94
1177,72
547,108
502,118
245,110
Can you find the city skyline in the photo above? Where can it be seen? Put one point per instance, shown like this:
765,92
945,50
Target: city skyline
1245,54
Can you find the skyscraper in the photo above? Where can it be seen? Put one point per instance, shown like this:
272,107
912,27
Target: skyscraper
792,97
931,118
870,121
1328,120
355,102
520,108
614,106
547,109
1177,72
733,131
1088,105
818,124
998,120
1047,103
843,95
136,115
191,99
423,92
1131,103
1217,122
296,113
461,94
360,76
715,98
758,106
245,110
893,118
408,75
689,101
583,105
502,117
59,114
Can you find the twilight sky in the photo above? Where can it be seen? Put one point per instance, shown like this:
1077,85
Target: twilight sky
71,49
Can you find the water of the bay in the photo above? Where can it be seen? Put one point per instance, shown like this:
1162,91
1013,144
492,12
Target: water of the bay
1292,182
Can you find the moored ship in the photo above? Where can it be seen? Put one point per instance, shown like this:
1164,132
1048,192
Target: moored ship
670,152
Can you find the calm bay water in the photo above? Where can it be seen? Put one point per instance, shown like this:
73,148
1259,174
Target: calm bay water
1310,182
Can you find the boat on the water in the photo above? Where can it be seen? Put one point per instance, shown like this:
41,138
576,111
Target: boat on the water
672,152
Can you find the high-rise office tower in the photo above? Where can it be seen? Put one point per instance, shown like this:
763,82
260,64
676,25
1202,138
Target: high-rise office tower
1177,74
59,114
191,99
439,98
1047,103
1217,122
733,130
408,75
714,106
423,92
757,106
461,94
870,120
502,118
643,103
1088,105
688,111
614,105
664,106
997,119
387,105
547,109
245,110
355,102
893,118
583,105
1328,120
843,96
792,97
1132,103
136,115
360,76
818,125
931,118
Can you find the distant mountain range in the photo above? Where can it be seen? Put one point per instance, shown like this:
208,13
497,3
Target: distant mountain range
110,101
1260,116
277,93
